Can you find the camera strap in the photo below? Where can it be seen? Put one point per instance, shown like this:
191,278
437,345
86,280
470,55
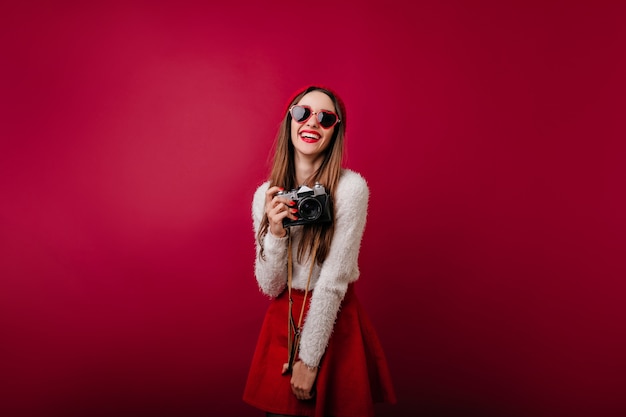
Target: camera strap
293,331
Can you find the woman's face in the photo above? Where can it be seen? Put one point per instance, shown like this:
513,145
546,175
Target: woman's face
309,138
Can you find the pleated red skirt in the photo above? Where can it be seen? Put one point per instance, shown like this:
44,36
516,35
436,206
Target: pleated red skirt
353,374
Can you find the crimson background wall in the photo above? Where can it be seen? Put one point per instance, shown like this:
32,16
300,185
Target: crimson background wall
134,134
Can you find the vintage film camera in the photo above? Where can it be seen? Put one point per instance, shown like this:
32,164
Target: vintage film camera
313,205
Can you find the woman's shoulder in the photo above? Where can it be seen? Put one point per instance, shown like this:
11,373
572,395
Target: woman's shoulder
259,194
352,180
352,184
262,188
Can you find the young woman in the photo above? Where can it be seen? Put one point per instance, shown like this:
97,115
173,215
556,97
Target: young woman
317,353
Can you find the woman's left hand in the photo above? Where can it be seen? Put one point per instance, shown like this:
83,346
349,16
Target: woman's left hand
302,380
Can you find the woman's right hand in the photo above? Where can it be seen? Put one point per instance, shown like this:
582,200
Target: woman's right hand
277,208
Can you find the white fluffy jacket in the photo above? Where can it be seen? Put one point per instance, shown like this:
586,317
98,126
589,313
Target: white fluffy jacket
330,280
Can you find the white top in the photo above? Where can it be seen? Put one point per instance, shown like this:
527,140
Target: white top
330,280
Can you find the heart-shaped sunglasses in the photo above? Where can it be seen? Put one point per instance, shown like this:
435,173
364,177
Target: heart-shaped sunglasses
301,114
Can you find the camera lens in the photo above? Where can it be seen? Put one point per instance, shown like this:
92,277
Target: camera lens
309,209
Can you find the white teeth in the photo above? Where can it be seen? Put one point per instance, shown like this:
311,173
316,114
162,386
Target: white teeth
310,136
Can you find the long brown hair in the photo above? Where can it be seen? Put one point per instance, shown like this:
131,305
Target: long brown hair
283,174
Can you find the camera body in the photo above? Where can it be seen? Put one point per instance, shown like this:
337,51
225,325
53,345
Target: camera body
313,205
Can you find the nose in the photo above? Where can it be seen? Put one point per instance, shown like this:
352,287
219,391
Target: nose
312,120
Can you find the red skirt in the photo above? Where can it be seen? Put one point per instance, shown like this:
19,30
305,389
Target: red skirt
353,373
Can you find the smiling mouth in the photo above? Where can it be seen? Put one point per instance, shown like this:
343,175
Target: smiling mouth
309,137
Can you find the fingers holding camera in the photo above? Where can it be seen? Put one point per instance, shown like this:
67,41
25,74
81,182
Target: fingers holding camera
281,207
278,208
278,211
271,193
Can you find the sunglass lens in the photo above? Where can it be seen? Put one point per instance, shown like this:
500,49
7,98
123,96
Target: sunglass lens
327,119
300,114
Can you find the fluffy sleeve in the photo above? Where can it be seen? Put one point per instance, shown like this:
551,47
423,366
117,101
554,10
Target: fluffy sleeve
339,269
271,270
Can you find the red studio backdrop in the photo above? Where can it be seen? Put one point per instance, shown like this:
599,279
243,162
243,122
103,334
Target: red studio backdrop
134,134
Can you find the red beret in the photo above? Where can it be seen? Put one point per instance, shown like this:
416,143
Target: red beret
342,107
